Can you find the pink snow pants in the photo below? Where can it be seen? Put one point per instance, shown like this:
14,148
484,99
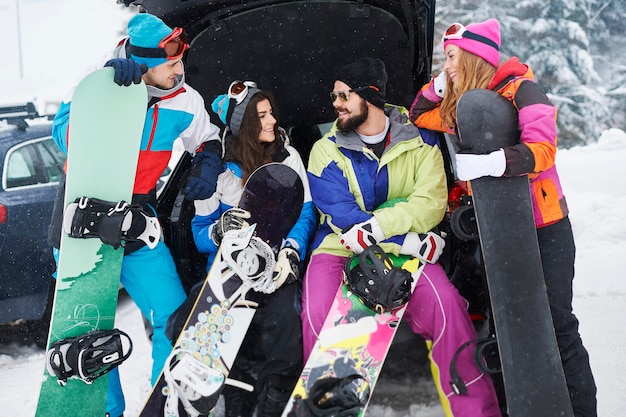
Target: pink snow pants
436,311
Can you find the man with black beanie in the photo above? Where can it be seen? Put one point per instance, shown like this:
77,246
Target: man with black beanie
372,155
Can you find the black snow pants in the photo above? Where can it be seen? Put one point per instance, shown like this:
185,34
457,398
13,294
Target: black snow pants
556,243
270,358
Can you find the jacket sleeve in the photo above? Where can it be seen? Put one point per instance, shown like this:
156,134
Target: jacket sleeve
208,211
302,232
60,126
537,122
424,111
330,188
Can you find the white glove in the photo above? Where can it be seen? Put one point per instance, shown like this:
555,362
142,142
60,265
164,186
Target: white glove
287,268
360,236
439,83
231,219
426,246
470,166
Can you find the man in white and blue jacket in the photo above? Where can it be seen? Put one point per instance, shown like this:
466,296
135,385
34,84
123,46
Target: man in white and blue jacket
153,51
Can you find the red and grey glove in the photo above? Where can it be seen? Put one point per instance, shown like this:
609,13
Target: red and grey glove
426,246
360,236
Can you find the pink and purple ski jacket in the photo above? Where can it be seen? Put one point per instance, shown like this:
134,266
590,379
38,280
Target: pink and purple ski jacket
535,153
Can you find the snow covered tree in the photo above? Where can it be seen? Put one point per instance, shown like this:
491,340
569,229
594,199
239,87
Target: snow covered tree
608,45
552,37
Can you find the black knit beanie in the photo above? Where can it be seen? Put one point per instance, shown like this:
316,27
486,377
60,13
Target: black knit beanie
369,73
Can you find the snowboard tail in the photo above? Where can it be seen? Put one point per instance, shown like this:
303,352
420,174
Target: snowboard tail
533,376
104,138
219,320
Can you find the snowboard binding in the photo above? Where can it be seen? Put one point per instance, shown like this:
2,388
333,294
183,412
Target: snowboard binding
194,384
332,396
88,356
112,222
372,277
479,355
250,258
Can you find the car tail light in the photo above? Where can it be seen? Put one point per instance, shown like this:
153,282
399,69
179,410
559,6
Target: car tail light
4,213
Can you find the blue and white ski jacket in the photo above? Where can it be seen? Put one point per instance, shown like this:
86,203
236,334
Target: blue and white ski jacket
175,113
227,195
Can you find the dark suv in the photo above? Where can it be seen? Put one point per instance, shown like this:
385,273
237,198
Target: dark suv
31,166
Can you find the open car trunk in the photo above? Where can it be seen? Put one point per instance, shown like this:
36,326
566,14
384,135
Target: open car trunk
293,48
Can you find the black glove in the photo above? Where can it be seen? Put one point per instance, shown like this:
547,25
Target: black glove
202,181
231,219
127,71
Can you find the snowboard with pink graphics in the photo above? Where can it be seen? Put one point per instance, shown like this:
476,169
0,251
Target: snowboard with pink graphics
352,346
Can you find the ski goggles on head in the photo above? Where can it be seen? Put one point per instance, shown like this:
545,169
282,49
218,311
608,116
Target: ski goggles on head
170,47
238,90
455,31
458,31
344,95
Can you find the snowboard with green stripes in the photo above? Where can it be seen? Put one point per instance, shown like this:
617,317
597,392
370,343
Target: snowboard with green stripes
106,124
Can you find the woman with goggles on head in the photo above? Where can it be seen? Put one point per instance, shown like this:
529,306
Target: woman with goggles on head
152,52
472,60
270,358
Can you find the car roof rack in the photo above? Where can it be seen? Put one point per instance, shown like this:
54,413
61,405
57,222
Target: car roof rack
17,114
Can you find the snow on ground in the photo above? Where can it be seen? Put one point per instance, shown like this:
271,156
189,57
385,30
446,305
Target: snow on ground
592,177
60,38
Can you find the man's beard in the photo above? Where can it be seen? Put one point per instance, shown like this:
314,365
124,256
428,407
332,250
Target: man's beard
354,121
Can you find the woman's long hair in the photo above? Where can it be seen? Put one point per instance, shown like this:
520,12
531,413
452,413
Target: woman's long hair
472,72
246,148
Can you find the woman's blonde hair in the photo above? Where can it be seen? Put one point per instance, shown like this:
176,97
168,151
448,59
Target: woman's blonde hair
472,72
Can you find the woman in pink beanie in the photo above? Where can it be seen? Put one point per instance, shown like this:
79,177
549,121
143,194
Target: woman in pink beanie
472,55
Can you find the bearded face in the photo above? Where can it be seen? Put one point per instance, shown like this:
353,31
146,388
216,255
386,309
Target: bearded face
350,119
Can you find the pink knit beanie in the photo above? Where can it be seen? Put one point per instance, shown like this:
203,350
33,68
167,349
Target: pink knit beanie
482,39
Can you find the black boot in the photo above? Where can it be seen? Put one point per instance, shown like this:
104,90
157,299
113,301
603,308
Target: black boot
272,401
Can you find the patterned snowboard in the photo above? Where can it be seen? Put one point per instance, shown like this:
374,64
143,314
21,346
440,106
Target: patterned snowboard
105,134
354,340
220,318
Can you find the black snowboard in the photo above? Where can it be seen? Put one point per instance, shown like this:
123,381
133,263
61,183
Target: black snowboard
221,314
533,376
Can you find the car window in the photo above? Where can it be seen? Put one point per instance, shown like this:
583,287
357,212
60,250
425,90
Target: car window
33,163
21,169
53,159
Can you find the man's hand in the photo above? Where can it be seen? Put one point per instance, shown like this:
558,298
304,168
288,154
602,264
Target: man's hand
127,71
202,181
231,219
287,269
426,246
362,235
